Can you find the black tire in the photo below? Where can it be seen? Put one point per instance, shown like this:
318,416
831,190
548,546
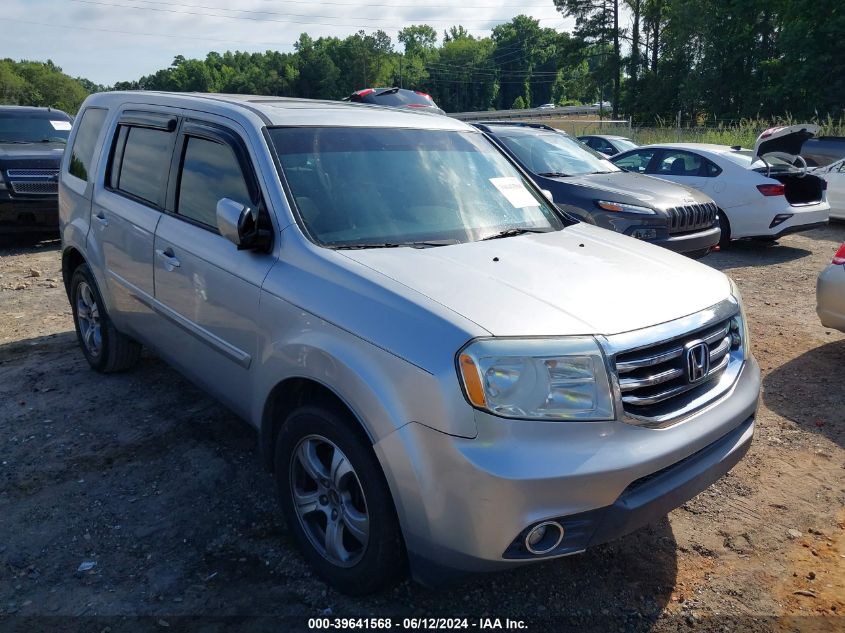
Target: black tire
115,351
725,226
382,561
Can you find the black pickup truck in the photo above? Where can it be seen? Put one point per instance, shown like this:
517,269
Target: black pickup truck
32,141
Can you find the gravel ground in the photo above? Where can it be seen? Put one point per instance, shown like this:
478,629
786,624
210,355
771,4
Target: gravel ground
158,489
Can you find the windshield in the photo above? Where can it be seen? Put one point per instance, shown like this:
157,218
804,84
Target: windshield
624,144
358,187
552,153
49,127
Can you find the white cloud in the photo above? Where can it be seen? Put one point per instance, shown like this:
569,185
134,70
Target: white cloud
107,43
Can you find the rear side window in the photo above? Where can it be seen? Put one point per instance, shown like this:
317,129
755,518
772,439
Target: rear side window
677,163
142,161
210,171
85,142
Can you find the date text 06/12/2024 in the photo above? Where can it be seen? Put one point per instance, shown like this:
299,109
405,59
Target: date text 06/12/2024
413,624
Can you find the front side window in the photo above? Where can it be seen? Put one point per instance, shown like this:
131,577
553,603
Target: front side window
210,171
677,163
358,187
85,142
553,153
143,167
635,161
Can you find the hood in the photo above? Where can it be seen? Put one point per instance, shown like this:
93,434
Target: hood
35,155
786,140
581,280
660,194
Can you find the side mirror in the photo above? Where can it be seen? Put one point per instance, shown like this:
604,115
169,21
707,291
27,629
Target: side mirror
239,224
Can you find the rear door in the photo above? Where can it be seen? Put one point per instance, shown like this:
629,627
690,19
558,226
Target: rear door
125,212
207,290
681,166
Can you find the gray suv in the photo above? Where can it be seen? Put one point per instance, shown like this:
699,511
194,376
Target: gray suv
444,371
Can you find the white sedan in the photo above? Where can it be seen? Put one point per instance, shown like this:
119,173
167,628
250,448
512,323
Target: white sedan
834,174
760,193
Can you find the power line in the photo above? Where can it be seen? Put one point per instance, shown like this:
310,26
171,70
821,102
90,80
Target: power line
310,15
119,32
257,19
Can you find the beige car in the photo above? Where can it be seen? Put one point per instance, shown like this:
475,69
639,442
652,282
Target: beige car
830,292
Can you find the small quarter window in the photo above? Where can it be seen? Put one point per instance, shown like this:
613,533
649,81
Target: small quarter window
210,171
85,142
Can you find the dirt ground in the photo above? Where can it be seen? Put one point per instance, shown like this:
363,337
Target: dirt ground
160,488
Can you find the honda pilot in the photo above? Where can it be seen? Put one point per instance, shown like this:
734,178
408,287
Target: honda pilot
445,372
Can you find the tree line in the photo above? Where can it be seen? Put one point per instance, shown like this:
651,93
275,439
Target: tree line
652,59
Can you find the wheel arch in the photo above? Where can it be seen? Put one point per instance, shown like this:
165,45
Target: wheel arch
291,393
72,258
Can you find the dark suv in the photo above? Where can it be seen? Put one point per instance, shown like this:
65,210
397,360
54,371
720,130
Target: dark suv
584,183
32,141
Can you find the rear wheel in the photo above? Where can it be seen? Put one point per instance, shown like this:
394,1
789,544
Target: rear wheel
105,348
725,226
336,501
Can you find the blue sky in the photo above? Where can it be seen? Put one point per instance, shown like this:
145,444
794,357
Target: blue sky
113,40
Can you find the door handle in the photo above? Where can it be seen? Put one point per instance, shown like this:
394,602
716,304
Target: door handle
102,219
169,258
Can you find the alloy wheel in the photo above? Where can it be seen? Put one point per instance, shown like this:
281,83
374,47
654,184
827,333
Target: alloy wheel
88,319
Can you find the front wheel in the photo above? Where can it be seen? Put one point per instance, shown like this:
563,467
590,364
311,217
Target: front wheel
336,501
725,226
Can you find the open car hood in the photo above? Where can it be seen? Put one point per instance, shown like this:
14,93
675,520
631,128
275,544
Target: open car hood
786,140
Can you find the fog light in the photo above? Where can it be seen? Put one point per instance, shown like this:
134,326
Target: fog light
645,234
543,538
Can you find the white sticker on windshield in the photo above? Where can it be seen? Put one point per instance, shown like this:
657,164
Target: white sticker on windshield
515,191
60,125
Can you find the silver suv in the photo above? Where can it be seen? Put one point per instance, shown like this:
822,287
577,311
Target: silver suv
444,371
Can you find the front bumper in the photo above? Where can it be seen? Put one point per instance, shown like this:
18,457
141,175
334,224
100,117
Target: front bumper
689,242
830,297
465,503
29,215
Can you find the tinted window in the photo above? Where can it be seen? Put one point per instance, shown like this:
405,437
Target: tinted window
711,170
146,160
369,186
210,171
678,163
84,143
636,161
22,126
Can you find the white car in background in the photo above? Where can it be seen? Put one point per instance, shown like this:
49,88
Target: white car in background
761,193
834,174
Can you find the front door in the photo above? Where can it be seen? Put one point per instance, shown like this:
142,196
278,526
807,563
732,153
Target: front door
207,290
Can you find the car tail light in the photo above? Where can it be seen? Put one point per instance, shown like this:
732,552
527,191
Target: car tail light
422,94
364,92
839,258
771,190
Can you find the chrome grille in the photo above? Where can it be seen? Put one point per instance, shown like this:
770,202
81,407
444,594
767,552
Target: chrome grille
655,381
33,181
34,187
33,173
691,217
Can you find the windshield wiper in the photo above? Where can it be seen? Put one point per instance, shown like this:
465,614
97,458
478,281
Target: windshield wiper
420,244
8,142
515,231
554,174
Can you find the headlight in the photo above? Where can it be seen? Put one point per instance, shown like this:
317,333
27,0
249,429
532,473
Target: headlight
740,324
621,207
537,379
